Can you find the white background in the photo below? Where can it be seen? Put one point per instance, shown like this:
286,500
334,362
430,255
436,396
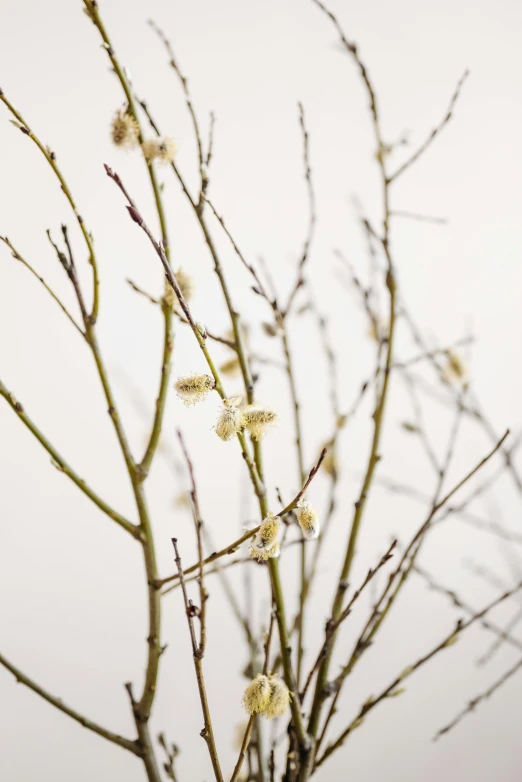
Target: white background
72,608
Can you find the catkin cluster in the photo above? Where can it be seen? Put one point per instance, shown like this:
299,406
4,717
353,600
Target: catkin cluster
267,696
125,133
256,419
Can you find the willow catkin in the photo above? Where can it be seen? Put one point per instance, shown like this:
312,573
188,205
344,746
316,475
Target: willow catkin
193,388
257,694
186,286
258,419
229,420
162,149
124,130
265,543
308,519
278,700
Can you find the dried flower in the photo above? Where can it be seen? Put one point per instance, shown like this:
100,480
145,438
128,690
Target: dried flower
230,367
186,285
307,518
258,419
193,388
229,421
278,700
162,149
256,695
265,543
124,130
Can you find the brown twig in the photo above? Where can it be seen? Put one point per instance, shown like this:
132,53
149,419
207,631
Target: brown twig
191,611
444,644
230,549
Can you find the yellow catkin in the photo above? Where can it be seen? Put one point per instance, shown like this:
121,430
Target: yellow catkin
124,130
186,284
308,520
229,421
257,694
230,367
258,419
329,463
278,699
162,149
265,543
193,388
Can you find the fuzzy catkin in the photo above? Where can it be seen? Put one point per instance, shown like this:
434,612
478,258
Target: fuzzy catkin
265,543
231,367
193,388
124,130
308,520
186,286
162,149
258,419
257,694
278,699
229,420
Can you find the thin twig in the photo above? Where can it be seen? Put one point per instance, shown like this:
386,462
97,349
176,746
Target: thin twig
444,644
21,678
207,733
434,133
230,549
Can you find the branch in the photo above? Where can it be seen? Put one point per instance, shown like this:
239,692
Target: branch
251,721
445,643
207,733
472,705
28,266
435,132
64,467
50,156
232,547
21,678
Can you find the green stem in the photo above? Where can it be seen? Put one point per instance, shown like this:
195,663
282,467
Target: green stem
131,746
51,159
18,408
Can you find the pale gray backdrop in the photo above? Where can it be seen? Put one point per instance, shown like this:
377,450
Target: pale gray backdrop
72,609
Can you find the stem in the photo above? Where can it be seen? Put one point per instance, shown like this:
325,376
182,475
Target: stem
21,678
197,653
64,467
51,159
